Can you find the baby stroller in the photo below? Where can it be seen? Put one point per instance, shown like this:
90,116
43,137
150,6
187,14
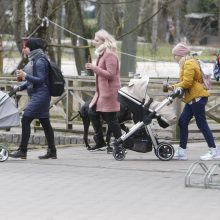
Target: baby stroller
140,137
9,117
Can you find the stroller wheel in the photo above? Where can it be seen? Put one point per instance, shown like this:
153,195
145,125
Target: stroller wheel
119,153
164,151
3,154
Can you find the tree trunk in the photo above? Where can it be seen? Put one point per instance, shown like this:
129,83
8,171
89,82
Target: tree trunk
154,27
75,23
217,3
59,37
108,16
1,56
129,41
19,23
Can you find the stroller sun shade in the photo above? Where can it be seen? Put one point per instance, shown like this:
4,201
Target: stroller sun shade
135,96
9,114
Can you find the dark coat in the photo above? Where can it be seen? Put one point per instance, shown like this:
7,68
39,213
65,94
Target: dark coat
38,90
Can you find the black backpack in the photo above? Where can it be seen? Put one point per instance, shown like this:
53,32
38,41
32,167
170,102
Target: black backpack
56,79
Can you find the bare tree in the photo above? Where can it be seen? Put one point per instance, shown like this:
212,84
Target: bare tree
108,16
154,27
19,25
217,3
75,22
129,40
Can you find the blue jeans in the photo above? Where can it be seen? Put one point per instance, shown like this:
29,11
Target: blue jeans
197,110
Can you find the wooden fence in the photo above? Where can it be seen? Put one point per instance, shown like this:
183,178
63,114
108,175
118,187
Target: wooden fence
64,109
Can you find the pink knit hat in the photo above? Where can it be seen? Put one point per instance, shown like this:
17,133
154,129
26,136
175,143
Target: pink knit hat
181,49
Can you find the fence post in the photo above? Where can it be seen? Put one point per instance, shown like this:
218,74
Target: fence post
69,103
1,56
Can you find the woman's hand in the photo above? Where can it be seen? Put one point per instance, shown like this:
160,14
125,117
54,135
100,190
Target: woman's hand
169,87
20,75
89,66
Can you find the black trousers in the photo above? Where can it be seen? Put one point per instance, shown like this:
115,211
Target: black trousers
26,131
110,118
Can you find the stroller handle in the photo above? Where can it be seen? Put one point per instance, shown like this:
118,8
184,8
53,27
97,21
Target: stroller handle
17,88
177,93
13,91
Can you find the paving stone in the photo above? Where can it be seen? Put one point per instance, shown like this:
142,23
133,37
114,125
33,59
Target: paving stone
16,138
73,140
2,137
62,140
9,138
43,140
36,139
67,140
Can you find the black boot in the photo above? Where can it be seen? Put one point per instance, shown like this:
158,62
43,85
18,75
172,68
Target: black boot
109,150
100,143
48,155
18,154
98,137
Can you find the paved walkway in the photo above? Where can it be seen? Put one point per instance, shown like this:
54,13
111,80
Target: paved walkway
82,185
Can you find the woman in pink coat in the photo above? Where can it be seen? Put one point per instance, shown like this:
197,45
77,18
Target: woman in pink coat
105,101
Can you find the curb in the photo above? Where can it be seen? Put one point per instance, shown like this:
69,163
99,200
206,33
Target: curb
39,139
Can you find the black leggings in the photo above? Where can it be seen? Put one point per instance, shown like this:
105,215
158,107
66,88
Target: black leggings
26,131
109,117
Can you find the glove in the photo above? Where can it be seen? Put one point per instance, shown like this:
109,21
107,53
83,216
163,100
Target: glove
178,92
15,87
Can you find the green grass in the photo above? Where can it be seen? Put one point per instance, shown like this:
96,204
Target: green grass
163,52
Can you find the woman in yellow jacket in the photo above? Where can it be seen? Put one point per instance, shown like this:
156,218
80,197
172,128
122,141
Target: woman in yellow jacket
195,97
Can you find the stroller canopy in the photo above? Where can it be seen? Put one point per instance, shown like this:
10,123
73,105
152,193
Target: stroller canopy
9,114
137,89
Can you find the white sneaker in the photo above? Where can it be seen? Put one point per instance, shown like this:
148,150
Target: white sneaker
216,154
180,154
213,154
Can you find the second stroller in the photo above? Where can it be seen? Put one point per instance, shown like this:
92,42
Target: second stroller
140,137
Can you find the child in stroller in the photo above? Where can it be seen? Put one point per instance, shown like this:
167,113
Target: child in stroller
140,137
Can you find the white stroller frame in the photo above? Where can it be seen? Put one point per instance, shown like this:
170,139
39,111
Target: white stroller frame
164,151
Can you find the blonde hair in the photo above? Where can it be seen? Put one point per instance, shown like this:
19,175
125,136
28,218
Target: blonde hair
108,39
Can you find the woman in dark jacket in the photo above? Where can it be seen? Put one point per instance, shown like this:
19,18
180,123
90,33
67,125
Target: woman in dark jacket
37,84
